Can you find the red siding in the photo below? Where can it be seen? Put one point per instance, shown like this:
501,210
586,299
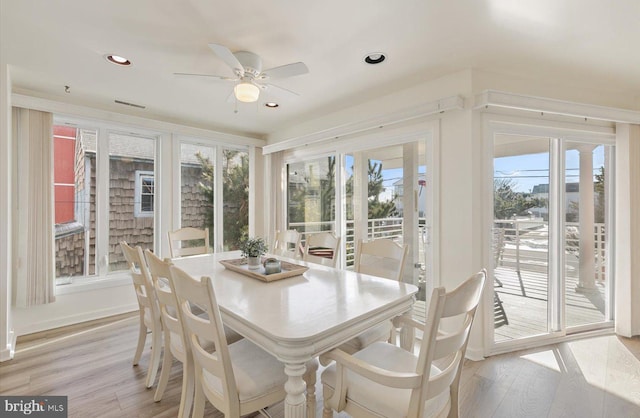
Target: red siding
63,172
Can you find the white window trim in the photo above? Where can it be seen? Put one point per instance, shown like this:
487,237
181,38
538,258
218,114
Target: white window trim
138,212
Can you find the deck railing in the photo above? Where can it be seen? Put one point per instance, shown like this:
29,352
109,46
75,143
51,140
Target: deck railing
525,245
525,241
376,228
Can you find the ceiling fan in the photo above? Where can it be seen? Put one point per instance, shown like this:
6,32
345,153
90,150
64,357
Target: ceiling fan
250,78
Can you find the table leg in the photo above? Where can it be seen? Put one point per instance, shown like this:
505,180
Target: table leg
295,404
407,335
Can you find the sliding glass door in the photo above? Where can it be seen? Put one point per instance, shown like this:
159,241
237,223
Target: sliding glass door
551,236
372,193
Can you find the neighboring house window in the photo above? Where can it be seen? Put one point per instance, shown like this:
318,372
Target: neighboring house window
145,188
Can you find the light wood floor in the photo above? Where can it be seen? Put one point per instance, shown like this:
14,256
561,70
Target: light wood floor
91,364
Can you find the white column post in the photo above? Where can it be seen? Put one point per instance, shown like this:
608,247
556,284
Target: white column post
587,273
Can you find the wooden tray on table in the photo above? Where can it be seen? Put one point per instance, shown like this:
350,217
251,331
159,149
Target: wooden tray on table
239,265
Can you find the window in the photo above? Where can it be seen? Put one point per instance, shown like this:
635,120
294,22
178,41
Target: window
197,174
144,194
131,194
74,202
215,177
235,185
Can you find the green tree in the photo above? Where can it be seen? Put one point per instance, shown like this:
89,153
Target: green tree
206,186
328,193
507,202
235,195
376,208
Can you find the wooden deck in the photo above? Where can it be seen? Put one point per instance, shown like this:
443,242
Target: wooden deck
524,298
520,304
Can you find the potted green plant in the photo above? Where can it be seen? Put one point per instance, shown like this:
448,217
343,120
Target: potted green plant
253,249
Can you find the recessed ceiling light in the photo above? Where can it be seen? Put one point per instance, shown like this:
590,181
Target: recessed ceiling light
117,59
271,105
375,58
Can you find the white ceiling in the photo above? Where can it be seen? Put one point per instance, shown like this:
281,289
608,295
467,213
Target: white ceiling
52,43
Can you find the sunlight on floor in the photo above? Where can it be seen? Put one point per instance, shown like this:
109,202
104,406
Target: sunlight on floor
547,358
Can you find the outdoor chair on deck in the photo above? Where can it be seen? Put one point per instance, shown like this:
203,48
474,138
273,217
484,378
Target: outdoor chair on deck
188,241
384,380
149,309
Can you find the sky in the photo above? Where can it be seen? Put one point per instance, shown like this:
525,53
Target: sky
532,169
526,170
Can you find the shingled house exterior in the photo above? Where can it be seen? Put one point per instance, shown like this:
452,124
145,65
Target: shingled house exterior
131,198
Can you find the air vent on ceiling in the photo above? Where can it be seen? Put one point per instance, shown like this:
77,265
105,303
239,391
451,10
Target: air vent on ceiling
130,104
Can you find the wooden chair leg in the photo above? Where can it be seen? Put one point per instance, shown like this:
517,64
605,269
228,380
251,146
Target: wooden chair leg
188,387
154,360
198,401
142,339
167,361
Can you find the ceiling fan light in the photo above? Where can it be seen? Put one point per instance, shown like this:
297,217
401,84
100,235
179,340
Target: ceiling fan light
246,92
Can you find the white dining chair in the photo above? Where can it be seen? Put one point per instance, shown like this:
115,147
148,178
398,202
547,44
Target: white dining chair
238,378
174,336
322,248
382,258
188,241
384,380
149,309
287,244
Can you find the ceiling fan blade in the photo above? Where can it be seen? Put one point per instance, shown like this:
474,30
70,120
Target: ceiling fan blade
217,77
289,70
227,56
278,91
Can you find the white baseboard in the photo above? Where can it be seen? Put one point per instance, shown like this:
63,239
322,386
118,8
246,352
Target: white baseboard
7,352
474,354
76,318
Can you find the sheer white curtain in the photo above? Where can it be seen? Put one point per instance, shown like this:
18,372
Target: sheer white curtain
35,278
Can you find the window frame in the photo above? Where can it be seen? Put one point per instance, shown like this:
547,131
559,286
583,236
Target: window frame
138,210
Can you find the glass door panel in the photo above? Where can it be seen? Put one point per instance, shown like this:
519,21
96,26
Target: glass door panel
311,205
586,259
521,237
551,236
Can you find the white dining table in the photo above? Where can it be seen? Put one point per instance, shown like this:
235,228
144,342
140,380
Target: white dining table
298,318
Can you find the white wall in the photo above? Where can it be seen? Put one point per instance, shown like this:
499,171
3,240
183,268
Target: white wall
75,308
463,200
6,267
627,244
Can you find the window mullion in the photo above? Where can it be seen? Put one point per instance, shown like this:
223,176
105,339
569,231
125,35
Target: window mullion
102,201
218,187
556,236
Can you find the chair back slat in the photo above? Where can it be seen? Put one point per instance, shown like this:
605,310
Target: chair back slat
188,241
160,273
287,244
141,278
381,257
192,293
322,248
446,335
